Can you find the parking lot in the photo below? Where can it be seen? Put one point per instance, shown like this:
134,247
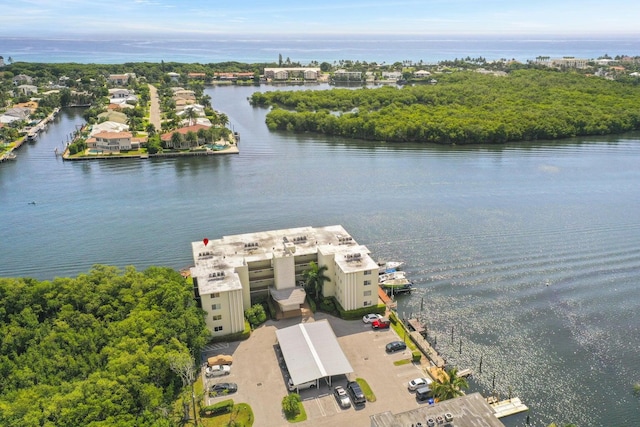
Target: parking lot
261,380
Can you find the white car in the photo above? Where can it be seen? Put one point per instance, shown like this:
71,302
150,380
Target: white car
417,383
371,317
217,371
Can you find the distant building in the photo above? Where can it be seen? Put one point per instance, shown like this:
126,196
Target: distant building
421,74
22,79
299,73
120,79
1,62
565,62
347,76
233,272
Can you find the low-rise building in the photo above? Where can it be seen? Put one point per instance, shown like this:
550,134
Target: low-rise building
286,73
233,272
465,411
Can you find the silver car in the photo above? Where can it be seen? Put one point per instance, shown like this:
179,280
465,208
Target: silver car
341,396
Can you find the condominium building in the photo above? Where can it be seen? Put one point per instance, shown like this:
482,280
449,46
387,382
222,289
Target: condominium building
234,272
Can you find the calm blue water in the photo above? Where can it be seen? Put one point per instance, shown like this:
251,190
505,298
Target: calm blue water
531,252
307,48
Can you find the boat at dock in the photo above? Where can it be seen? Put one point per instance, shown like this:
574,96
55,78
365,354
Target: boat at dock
397,286
387,266
8,156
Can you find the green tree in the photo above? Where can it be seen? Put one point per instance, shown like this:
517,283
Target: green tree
450,387
291,405
176,139
314,278
191,138
255,315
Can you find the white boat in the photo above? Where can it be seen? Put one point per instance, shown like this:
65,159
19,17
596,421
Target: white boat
389,266
385,277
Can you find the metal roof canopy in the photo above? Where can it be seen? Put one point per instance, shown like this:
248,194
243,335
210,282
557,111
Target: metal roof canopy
311,351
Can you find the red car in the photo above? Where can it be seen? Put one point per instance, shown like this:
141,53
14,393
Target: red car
381,324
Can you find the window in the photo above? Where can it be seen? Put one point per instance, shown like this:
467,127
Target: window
217,317
215,295
217,329
367,293
216,306
367,303
367,273
367,282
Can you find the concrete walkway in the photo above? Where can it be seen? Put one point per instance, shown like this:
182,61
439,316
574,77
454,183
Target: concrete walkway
154,109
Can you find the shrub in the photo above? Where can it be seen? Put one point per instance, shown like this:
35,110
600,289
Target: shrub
223,407
256,315
291,405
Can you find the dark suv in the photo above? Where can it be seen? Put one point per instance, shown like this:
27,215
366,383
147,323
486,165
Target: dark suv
354,390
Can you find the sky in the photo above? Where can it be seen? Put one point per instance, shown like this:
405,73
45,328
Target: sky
75,18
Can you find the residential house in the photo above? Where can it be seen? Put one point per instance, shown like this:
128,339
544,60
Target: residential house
22,79
174,77
120,79
167,142
196,76
391,75
421,74
109,126
28,90
15,114
233,272
112,142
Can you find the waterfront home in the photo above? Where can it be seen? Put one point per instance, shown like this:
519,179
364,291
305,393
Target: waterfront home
167,141
196,76
109,126
15,113
421,74
233,272
110,142
282,73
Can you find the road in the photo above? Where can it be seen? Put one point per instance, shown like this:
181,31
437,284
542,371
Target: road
154,110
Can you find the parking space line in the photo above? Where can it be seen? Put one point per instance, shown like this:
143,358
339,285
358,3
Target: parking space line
322,411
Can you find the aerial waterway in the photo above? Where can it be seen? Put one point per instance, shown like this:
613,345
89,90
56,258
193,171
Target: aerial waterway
530,252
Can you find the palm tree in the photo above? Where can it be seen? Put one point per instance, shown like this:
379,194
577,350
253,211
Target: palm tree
191,114
314,278
176,140
450,387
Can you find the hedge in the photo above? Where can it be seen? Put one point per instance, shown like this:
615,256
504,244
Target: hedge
223,407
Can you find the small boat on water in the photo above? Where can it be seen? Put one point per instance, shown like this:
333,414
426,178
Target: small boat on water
9,156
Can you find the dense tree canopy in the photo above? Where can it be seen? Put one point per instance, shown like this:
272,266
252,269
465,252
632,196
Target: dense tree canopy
464,107
95,350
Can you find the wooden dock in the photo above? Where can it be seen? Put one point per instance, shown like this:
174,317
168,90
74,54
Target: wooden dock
507,407
416,326
427,350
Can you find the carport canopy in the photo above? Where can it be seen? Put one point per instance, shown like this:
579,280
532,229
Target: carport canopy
311,351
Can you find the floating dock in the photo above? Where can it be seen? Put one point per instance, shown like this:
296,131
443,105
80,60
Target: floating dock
507,407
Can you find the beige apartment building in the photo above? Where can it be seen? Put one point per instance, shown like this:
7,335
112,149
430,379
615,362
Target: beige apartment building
233,272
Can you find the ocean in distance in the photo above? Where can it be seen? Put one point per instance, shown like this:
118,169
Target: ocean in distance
306,48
